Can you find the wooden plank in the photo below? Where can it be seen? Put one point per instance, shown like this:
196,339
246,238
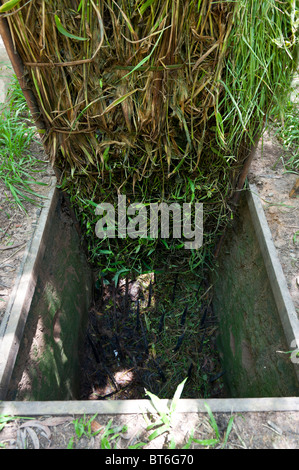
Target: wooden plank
285,305
111,407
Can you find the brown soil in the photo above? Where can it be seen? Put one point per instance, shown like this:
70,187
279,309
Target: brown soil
250,430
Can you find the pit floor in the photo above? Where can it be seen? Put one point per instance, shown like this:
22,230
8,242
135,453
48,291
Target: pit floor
150,334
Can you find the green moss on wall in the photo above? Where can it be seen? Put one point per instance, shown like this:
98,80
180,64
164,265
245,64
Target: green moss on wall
250,330
47,365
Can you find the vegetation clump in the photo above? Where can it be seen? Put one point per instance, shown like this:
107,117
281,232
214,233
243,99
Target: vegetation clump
160,100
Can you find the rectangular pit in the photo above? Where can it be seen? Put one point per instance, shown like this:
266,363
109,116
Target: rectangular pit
51,299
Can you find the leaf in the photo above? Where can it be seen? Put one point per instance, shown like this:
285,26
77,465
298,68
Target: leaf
177,395
70,443
106,153
158,432
95,427
79,429
87,154
157,403
116,277
220,127
107,429
138,445
21,439
126,19
145,58
55,421
119,101
34,437
63,31
4,420
92,203
165,243
228,430
105,443
235,104
213,421
206,442
172,444
154,425
145,6
37,424
9,5
190,440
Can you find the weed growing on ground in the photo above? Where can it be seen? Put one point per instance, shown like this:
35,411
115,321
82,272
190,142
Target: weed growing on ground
164,423
83,427
16,101
17,165
109,435
287,132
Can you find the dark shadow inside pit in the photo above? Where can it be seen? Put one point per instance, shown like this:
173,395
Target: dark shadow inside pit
150,334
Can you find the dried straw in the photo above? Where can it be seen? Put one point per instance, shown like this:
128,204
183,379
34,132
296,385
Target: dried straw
160,100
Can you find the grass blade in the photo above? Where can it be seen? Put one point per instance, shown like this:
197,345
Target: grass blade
63,31
177,395
206,442
213,421
8,5
157,403
158,432
228,430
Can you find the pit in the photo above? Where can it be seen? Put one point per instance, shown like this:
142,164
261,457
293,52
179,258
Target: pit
72,345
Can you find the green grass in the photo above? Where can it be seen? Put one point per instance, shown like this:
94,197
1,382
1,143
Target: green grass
109,436
16,101
285,123
17,166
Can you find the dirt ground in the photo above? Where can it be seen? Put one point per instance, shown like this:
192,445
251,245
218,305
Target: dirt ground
249,431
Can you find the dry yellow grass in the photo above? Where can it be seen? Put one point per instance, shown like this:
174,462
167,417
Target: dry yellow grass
156,99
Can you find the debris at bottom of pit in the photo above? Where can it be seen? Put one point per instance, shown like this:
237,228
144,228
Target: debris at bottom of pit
140,336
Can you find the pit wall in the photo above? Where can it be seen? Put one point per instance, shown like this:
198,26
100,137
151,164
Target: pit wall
254,324
46,366
43,328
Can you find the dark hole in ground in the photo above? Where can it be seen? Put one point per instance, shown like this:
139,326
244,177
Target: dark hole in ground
151,333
